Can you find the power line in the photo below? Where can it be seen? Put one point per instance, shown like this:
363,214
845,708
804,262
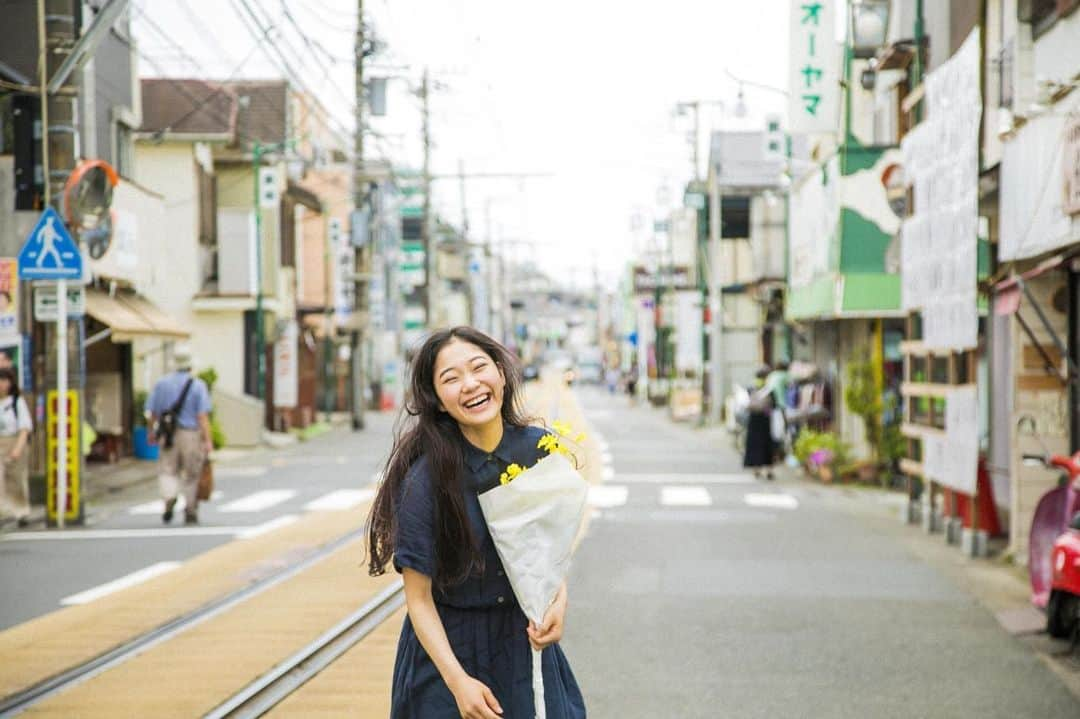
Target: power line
284,65
207,35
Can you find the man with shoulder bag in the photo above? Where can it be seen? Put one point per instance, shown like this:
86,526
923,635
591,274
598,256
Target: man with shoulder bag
179,408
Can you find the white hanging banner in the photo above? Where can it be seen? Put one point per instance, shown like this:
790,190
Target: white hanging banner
939,246
814,72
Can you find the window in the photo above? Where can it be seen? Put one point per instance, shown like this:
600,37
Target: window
1005,74
124,154
208,244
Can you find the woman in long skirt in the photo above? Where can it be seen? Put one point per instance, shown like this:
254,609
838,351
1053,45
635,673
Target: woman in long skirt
464,649
760,450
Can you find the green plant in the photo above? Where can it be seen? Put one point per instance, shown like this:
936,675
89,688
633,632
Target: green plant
863,398
217,433
810,442
140,407
209,376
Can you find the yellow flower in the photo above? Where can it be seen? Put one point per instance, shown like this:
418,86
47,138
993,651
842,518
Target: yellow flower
514,470
548,442
580,438
504,478
562,428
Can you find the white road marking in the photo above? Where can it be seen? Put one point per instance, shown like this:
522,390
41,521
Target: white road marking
266,527
154,570
81,535
340,499
775,501
158,506
606,457
675,496
608,473
259,501
657,478
606,496
252,472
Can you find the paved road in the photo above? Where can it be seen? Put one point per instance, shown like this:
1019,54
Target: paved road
125,540
700,592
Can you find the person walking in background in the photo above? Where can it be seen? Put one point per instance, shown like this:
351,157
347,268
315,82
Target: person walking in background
777,384
15,426
179,408
760,450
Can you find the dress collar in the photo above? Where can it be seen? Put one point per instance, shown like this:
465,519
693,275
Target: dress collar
475,457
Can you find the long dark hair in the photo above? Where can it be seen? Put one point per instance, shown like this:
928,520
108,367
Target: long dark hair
422,429
9,374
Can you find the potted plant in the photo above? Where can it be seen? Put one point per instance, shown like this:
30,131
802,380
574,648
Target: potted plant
821,453
217,433
140,433
862,395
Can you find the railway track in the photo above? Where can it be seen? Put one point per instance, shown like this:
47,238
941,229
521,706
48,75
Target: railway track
41,691
269,690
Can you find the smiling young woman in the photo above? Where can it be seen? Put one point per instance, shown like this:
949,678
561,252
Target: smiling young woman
464,649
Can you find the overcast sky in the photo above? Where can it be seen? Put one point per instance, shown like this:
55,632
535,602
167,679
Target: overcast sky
584,90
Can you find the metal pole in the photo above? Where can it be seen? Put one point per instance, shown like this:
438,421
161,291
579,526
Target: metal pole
61,402
425,228
359,187
43,74
61,288
716,310
260,338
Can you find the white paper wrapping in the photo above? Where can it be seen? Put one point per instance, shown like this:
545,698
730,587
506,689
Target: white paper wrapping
533,521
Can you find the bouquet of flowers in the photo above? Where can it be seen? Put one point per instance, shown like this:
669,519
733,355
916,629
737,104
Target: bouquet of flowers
534,516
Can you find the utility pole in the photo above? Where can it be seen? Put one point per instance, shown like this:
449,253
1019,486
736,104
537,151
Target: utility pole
358,338
430,277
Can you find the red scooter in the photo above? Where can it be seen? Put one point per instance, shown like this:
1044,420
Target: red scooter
1054,547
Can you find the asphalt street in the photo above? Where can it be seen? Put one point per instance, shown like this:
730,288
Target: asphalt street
697,592
125,541
701,592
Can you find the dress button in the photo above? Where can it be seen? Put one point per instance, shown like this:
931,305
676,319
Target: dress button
500,600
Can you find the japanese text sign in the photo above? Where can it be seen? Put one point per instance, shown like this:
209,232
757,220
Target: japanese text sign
814,72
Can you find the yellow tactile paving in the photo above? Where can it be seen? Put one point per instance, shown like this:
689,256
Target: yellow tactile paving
356,685
198,669
47,645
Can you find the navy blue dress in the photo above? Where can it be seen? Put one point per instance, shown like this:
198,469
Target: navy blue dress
483,621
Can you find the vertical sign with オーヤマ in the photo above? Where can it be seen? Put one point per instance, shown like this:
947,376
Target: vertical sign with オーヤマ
814,67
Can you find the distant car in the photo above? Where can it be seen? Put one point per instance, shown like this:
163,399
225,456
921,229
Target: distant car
590,373
531,372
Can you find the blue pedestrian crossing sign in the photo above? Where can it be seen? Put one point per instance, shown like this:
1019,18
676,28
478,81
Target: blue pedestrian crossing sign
49,252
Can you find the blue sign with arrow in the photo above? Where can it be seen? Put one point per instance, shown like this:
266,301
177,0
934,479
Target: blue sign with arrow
50,253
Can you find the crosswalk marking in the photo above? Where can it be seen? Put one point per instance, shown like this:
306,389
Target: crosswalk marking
259,501
340,499
694,478
124,582
250,472
606,496
773,501
676,496
157,506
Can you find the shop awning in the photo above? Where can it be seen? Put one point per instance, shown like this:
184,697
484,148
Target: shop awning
131,316
1007,292
1007,297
